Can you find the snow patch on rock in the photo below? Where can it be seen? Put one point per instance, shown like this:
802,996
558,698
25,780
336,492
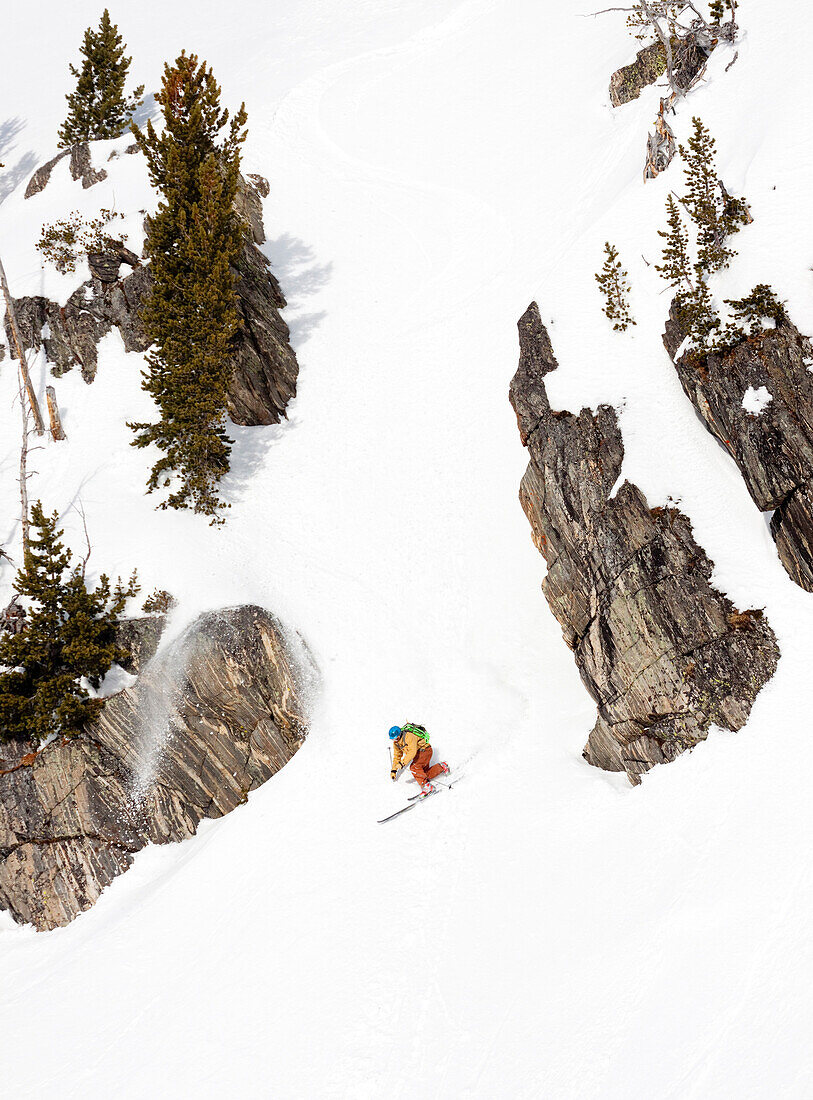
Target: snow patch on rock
754,401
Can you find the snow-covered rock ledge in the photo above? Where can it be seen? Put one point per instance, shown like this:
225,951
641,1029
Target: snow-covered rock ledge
663,653
72,319
770,434
211,719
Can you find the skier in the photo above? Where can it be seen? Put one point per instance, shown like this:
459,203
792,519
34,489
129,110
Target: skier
411,749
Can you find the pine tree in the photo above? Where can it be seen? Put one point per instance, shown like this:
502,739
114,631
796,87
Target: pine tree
716,214
693,302
192,314
69,636
612,281
698,317
98,107
676,267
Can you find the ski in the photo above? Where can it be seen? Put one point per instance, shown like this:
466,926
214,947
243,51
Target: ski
411,806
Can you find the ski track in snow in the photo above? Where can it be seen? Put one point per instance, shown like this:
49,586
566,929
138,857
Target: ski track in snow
541,930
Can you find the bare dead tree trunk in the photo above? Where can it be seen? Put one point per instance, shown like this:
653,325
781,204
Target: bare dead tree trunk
15,335
24,511
57,431
662,17
81,510
660,146
665,41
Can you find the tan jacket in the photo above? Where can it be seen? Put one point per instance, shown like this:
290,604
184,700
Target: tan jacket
404,750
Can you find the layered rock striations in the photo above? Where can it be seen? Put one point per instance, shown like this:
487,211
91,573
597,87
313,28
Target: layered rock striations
207,722
771,440
662,652
265,366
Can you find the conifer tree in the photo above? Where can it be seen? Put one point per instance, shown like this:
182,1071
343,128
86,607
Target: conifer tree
191,315
98,107
676,268
716,214
69,635
612,281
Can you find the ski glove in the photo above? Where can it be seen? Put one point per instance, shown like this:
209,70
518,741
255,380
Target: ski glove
393,774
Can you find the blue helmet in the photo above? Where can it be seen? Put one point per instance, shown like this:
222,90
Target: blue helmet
395,731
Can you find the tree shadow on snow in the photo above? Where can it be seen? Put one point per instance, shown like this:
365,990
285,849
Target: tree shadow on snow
300,276
13,173
249,454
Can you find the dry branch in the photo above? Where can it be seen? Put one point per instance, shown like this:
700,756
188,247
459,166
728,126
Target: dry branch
15,335
57,431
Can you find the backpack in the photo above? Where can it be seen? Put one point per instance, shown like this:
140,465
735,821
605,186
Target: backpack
419,731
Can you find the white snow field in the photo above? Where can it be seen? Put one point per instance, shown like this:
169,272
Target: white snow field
542,930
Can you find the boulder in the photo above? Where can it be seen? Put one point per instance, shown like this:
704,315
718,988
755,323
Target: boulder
204,726
662,652
773,448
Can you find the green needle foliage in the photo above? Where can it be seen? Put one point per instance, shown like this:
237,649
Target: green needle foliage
98,108
715,213
760,305
718,9
692,296
612,281
676,268
70,635
191,314
715,217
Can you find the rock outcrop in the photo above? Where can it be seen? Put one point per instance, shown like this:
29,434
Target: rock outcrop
265,367
81,168
627,83
200,729
773,448
140,638
662,652
71,333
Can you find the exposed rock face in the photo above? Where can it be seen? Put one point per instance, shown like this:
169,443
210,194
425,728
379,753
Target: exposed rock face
140,637
189,740
773,448
71,333
81,166
627,83
662,652
248,204
265,367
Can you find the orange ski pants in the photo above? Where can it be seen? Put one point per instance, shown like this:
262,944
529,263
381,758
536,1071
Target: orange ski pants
420,766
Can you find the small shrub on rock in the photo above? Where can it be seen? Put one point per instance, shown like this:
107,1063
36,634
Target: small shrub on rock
160,602
759,306
65,242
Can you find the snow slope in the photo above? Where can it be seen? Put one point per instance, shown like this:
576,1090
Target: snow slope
542,930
